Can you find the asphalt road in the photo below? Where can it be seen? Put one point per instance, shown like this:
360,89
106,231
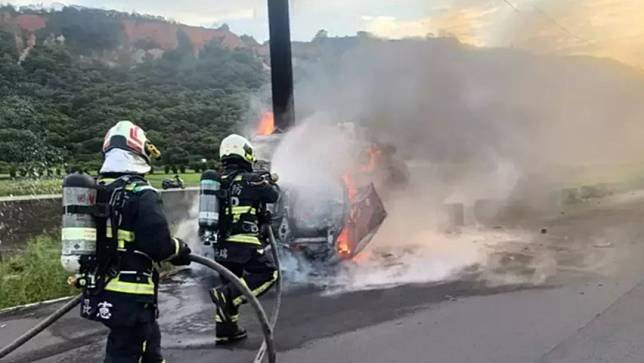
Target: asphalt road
587,310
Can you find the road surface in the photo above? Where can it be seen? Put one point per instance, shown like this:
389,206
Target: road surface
588,309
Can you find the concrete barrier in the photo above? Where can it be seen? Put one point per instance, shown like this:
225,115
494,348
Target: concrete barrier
22,218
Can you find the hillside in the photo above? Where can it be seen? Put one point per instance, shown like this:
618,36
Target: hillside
117,36
66,76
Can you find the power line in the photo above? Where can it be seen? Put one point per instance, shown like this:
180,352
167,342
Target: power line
512,6
549,18
556,23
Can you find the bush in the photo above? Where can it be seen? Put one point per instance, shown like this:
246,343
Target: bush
166,169
13,171
182,169
30,186
174,169
34,275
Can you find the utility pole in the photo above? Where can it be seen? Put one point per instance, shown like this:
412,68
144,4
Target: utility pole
281,64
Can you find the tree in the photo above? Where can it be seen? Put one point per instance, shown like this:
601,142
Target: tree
56,106
320,35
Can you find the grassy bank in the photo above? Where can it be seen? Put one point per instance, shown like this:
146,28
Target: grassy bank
9,187
34,275
190,179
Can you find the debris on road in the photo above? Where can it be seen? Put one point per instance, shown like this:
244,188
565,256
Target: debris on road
603,245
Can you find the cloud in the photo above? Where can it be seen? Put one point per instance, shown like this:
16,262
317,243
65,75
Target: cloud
192,12
468,24
603,28
209,20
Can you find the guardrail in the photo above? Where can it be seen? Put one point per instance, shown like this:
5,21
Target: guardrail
23,217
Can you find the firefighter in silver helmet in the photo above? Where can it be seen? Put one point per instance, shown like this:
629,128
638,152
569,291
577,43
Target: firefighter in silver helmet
133,236
243,196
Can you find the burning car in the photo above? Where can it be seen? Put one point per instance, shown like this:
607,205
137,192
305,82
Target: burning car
327,224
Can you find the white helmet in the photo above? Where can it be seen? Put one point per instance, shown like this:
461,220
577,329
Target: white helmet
130,137
235,146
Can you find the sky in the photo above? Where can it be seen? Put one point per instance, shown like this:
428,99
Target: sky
604,28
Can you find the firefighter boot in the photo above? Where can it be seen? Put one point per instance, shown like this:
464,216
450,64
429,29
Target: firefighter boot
227,316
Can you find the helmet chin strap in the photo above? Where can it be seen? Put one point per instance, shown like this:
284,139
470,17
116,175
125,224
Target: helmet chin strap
237,162
152,151
124,162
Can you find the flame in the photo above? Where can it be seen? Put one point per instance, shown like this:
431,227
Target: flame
266,124
344,240
352,189
374,158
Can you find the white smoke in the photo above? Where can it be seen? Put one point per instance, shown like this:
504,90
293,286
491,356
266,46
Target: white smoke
413,245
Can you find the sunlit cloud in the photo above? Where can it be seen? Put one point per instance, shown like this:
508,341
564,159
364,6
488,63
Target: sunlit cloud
469,25
603,28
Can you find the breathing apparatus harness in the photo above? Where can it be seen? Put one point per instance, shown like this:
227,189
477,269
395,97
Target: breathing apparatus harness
225,205
97,270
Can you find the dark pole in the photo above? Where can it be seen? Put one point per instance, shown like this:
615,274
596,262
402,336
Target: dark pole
281,64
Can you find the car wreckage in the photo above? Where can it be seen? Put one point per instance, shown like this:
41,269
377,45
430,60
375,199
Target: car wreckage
336,222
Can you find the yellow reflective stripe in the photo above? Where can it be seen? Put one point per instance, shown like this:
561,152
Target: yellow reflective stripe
141,188
177,246
136,288
144,347
245,209
243,238
258,291
238,178
127,236
233,318
74,233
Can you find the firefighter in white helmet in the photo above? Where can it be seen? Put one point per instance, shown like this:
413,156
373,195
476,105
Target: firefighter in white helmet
242,215
133,236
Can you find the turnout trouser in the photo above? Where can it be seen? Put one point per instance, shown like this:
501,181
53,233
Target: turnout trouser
140,343
252,266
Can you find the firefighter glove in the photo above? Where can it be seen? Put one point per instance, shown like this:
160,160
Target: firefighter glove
183,255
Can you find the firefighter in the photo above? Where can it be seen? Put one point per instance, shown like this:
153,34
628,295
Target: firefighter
134,238
242,204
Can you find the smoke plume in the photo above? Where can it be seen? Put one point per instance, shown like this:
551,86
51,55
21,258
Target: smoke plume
471,124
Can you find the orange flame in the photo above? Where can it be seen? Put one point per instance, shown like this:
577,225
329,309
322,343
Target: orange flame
374,157
266,124
352,189
344,238
344,241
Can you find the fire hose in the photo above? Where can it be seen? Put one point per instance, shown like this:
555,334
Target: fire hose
278,302
268,346
40,327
